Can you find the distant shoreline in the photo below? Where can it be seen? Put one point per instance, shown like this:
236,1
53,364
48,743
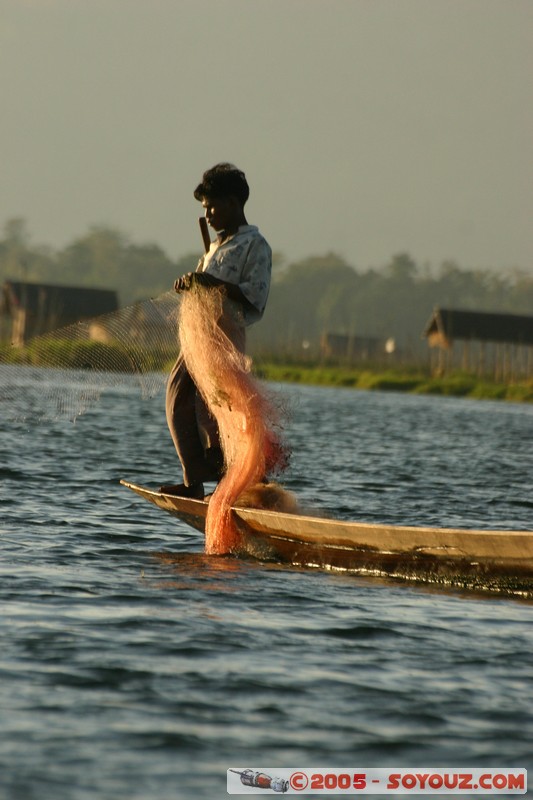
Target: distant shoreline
397,380
113,358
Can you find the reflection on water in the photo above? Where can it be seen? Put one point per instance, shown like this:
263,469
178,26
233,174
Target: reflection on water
197,572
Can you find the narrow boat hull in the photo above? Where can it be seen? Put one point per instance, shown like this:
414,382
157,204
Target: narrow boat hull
499,561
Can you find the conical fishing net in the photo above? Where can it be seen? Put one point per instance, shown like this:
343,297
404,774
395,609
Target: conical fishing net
85,359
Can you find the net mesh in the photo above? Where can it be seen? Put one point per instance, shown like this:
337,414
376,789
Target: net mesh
88,357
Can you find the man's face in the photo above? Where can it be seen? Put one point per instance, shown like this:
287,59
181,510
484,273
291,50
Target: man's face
219,212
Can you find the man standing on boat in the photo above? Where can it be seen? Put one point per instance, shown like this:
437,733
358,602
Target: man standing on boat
238,262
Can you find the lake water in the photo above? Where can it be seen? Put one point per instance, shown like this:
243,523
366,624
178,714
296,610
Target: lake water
127,674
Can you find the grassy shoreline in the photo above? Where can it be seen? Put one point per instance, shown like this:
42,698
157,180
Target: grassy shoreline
412,381
95,355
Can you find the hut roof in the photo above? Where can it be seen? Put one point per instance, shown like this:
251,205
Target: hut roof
69,303
445,325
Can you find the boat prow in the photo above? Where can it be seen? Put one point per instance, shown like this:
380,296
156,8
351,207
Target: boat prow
192,512
500,561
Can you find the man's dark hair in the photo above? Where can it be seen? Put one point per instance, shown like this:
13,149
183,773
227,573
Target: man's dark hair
223,180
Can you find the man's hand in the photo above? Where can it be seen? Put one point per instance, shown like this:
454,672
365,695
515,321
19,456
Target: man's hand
184,283
191,279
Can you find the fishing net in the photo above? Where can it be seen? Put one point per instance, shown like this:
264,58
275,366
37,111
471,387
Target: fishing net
248,417
141,341
87,358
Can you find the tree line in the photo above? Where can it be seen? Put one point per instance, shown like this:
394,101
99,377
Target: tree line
317,295
327,295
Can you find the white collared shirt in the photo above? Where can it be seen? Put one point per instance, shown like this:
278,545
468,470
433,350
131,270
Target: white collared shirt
245,260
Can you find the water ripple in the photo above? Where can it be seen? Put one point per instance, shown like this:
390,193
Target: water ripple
132,665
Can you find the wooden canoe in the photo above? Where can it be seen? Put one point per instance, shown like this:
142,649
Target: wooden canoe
500,561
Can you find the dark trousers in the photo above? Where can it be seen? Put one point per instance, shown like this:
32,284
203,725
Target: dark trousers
193,429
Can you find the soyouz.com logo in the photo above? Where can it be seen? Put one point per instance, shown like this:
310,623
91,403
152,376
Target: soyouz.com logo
355,781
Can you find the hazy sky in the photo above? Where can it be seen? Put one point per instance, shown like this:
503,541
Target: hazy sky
366,127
